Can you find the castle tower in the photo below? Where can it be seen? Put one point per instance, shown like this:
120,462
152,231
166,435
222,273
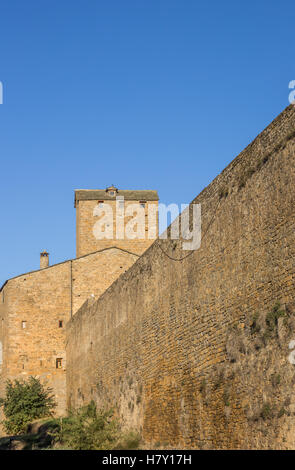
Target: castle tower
106,218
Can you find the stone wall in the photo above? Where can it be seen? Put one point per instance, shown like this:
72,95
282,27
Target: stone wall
150,341
34,310
94,273
33,339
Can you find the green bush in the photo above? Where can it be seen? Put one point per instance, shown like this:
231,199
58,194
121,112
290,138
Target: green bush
90,429
24,402
273,316
128,441
282,412
275,379
266,411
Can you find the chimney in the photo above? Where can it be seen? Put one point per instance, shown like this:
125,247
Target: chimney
44,259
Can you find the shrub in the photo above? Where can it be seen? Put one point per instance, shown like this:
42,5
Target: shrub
226,398
273,316
245,176
86,429
282,412
129,441
266,411
90,429
275,379
223,192
24,402
264,326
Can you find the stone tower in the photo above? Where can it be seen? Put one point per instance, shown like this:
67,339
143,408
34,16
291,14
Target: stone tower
115,210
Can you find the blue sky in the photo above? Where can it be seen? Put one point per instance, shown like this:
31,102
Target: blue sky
153,94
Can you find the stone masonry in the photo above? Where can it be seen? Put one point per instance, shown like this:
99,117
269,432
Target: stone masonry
150,342
87,200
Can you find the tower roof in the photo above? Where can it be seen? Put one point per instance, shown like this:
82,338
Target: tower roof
104,194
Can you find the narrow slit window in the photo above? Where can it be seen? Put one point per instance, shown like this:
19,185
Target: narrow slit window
59,363
24,324
60,324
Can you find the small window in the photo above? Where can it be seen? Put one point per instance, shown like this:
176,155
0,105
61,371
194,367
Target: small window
100,203
142,203
60,324
59,363
24,325
112,193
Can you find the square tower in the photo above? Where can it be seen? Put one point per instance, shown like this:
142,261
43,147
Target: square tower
113,217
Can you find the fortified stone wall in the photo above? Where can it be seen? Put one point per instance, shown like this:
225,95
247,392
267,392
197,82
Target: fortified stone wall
159,332
36,306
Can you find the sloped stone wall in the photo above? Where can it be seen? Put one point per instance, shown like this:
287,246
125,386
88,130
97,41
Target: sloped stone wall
159,332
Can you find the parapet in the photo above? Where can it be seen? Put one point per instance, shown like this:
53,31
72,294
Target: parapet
107,194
